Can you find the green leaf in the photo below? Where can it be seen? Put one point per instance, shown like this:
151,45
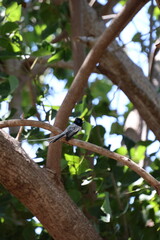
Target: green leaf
83,166
138,153
156,12
55,57
97,135
9,54
13,81
41,53
116,128
87,127
101,108
100,88
4,90
77,165
128,177
28,231
75,195
106,208
13,12
8,27
137,37
145,143
39,29
82,106
73,163
122,150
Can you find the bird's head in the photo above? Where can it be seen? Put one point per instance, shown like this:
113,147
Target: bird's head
78,121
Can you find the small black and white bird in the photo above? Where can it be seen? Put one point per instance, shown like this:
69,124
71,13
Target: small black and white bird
70,131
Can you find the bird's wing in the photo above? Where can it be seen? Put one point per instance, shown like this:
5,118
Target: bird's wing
72,130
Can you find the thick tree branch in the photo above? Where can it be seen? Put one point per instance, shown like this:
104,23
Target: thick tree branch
39,189
132,81
123,72
88,146
78,86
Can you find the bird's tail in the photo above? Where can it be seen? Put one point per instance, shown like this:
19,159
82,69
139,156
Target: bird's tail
55,138
50,139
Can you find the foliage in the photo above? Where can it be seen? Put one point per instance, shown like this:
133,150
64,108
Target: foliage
116,201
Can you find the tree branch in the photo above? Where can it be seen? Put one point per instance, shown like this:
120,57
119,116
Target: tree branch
39,189
88,146
140,91
79,83
123,72
78,55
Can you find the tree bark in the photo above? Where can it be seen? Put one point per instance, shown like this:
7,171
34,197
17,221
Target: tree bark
122,71
40,191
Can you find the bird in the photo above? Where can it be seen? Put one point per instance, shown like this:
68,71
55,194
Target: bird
70,131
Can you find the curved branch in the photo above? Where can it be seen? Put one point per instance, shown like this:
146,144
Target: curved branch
26,122
89,146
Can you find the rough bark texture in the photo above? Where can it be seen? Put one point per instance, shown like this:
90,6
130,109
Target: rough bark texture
132,81
40,191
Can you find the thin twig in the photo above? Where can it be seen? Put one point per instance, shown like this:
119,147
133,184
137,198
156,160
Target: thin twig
88,146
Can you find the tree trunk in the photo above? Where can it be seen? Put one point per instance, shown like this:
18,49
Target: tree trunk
40,191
